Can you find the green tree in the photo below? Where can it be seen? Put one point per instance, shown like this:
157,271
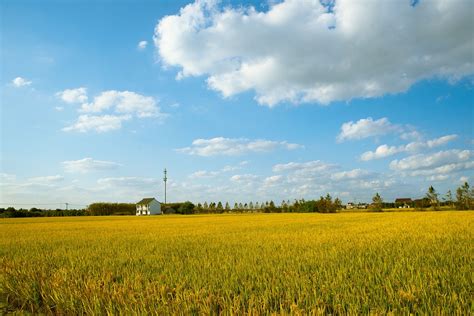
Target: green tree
464,197
227,206
219,207
377,203
432,196
337,204
186,208
448,198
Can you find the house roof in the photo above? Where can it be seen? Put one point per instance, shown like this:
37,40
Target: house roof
146,201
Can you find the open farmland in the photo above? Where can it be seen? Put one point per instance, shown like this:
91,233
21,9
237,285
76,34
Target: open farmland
257,263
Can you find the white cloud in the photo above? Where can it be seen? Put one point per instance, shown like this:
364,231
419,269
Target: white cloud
272,180
385,151
411,135
352,174
244,178
298,51
88,165
142,45
200,174
123,102
309,167
463,179
128,181
100,124
441,140
440,162
234,146
381,152
444,169
7,178
203,174
20,82
119,106
438,177
46,179
365,128
78,95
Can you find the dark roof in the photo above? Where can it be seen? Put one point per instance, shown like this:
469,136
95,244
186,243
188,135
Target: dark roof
146,201
403,200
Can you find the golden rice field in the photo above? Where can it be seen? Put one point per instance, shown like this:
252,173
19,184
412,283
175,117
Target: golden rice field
357,263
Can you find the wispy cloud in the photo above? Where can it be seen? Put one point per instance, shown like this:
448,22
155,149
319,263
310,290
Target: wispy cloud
88,165
384,151
142,45
19,82
99,123
442,162
234,146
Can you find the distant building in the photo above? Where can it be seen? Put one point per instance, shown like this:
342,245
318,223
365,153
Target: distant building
350,206
403,202
362,205
148,206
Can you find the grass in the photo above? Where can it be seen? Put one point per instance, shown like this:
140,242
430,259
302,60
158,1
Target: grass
234,264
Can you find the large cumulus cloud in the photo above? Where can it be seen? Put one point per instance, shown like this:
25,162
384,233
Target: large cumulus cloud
303,51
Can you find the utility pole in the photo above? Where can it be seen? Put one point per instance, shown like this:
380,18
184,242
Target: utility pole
67,205
165,179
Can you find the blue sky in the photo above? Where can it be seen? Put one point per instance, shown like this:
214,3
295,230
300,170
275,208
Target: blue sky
239,101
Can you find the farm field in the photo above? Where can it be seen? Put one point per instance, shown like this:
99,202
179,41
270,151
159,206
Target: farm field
419,262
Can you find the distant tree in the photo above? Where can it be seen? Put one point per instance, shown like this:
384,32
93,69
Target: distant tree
377,202
464,197
186,208
241,206
236,206
337,204
432,196
448,198
227,206
205,206
251,205
212,206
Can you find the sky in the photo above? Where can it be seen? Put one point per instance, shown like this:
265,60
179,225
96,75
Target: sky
239,100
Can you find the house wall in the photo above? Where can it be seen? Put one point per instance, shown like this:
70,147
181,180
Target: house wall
154,208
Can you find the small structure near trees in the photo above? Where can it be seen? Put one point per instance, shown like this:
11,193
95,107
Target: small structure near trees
148,206
403,202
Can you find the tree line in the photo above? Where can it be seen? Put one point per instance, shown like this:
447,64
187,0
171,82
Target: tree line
324,205
10,212
464,200
433,200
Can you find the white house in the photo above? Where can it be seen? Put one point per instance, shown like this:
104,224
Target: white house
148,206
